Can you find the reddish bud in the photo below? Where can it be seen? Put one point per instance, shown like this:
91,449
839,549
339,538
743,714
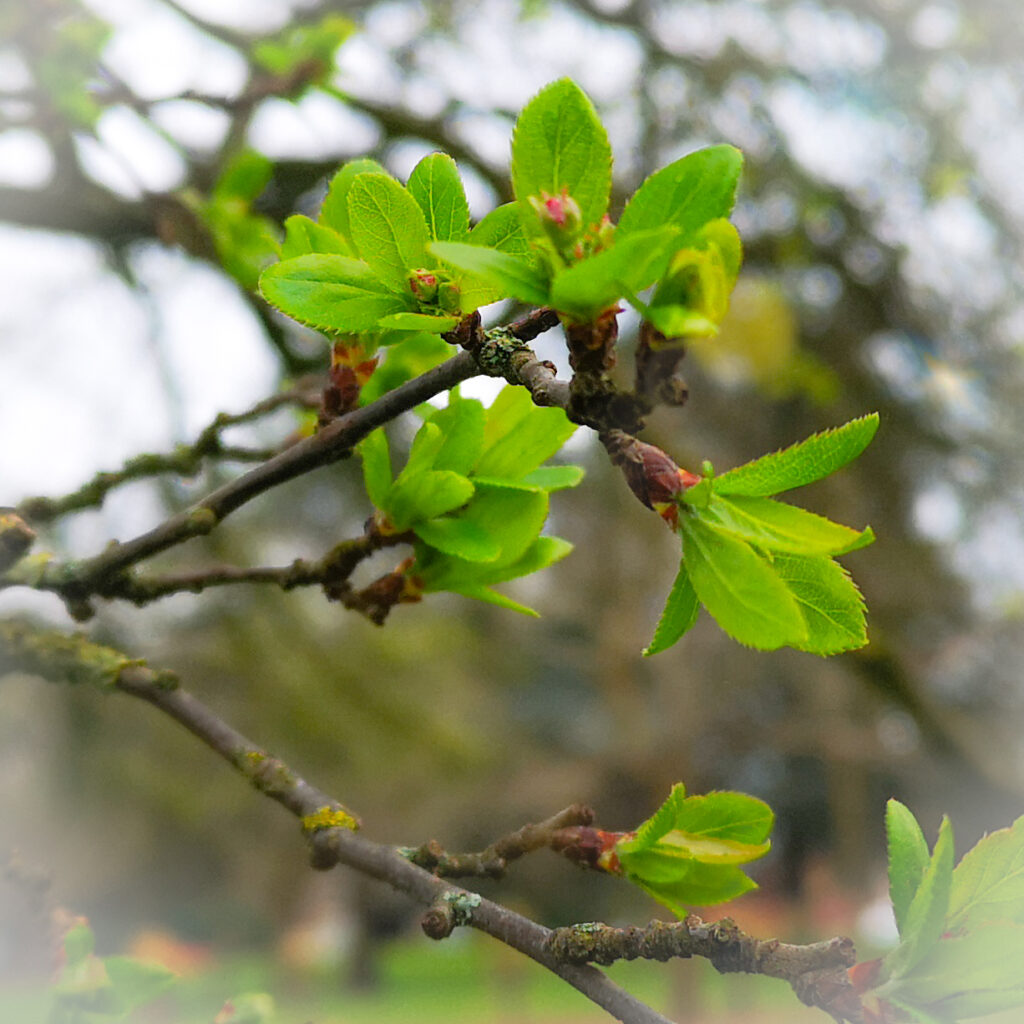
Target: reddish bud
424,284
651,474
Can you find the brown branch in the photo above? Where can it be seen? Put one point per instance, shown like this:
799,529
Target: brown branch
185,460
816,972
492,862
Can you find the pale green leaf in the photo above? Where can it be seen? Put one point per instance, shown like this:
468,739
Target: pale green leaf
373,450
302,236
988,884
424,495
462,425
534,439
908,858
554,478
459,537
417,322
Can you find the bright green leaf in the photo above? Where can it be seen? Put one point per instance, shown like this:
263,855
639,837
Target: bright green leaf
303,236
678,616
592,285
801,463
462,427
740,588
687,194
502,229
435,184
424,495
661,821
387,229
481,593
417,322
459,537
425,447
543,552
534,439
330,293
244,178
409,357
831,604
775,526
334,211
507,274
559,143
908,858
554,478
373,449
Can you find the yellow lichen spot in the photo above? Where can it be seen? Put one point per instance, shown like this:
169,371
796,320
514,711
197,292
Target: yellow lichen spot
329,817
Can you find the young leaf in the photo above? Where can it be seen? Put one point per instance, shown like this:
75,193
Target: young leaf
412,355
801,463
661,821
334,211
776,526
693,884
988,884
554,478
479,592
244,178
560,144
426,445
533,440
593,285
505,273
435,184
330,293
373,449
727,817
462,426
387,228
908,858
501,229
424,495
417,322
925,919
303,236
458,537
740,588
831,604
687,194
679,615
544,551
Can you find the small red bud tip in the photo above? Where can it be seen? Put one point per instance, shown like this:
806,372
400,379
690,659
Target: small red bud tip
424,284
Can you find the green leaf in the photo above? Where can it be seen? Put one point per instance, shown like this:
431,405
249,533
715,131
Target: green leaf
687,194
694,884
408,358
968,975
417,322
334,211
534,439
481,593
728,817
136,982
425,447
502,229
435,184
387,229
303,236
775,526
661,821
740,588
988,884
459,537
424,495
330,293
373,450
512,406
541,553
801,463
592,285
506,274
678,616
559,143
831,604
554,478
925,919
462,427
908,858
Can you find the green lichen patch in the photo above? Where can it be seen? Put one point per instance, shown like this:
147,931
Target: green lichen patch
329,817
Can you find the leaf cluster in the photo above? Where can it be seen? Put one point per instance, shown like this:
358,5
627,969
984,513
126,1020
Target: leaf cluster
474,493
689,852
961,947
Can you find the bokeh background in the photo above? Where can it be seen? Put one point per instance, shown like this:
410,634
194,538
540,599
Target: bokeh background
882,211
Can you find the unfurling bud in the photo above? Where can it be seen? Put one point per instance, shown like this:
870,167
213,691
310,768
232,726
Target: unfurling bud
424,284
560,217
652,476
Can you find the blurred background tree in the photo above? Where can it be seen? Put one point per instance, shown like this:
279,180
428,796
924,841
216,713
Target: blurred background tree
882,215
